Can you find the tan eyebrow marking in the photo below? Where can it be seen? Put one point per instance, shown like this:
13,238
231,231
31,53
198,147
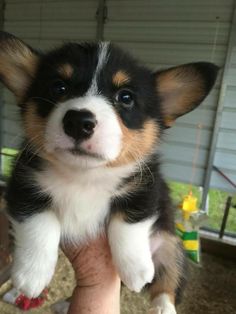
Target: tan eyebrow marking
66,70
120,78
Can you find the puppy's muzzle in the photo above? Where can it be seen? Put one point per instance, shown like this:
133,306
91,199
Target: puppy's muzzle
79,124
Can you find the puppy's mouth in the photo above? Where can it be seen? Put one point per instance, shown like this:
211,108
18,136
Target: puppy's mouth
78,151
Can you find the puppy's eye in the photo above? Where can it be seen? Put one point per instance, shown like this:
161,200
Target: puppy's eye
125,97
59,88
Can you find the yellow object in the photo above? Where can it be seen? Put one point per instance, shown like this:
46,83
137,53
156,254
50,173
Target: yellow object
189,205
191,245
180,226
8,157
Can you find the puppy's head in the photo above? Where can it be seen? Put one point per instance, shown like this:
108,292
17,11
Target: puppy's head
93,104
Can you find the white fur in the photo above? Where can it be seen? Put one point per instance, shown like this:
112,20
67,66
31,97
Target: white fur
162,305
81,204
81,198
106,140
102,59
36,252
131,251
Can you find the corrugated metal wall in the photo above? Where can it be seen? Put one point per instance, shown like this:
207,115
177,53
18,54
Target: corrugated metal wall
162,33
225,154
1,88
44,24
165,33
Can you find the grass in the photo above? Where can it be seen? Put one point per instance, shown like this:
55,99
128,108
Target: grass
217,200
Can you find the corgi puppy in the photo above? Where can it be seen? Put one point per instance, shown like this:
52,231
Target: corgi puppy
93,118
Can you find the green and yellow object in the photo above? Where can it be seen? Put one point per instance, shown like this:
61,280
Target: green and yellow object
188,232
190,242
8,156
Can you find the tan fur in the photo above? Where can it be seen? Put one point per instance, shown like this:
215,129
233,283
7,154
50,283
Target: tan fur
120,78
136,144
17,65
167,260
34,126
180,89
66,70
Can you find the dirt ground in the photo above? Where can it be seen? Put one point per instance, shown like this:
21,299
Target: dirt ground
211,290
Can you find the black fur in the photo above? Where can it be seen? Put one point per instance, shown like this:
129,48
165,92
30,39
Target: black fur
24,197
151,197
151,194
83,59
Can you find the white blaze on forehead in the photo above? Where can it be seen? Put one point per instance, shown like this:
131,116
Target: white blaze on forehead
102,59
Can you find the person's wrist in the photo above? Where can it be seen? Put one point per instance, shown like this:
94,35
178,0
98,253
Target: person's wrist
98,284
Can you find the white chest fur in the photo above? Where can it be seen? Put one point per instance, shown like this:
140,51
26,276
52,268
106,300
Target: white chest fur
81,199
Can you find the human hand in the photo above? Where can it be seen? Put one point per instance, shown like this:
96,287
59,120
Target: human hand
98,284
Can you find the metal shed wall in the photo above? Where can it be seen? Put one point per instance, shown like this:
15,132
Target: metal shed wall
44,24
225,154
166,33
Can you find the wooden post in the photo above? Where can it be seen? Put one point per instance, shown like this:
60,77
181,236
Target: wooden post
225,217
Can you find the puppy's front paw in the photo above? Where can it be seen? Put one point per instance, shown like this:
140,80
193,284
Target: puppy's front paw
31,275
161,310
130,248
136,272
163,305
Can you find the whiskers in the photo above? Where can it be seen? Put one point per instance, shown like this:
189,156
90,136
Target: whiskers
145,171
34,146
141,159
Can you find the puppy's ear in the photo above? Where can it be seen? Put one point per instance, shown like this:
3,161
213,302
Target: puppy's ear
183,88
18,63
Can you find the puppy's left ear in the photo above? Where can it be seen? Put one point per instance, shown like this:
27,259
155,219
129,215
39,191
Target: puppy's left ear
18,64
183,88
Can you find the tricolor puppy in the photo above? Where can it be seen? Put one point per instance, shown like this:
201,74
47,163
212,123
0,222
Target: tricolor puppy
93,118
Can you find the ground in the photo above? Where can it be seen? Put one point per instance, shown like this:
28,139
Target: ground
211,290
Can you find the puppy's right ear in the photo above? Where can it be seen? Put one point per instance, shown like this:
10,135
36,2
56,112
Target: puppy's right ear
18,64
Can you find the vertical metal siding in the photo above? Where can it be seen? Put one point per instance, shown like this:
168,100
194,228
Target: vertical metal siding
225,155
165,33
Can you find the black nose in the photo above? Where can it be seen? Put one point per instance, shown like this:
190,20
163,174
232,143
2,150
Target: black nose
79,124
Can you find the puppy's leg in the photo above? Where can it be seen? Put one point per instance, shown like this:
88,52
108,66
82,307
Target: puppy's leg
130,247
170,268
36,240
